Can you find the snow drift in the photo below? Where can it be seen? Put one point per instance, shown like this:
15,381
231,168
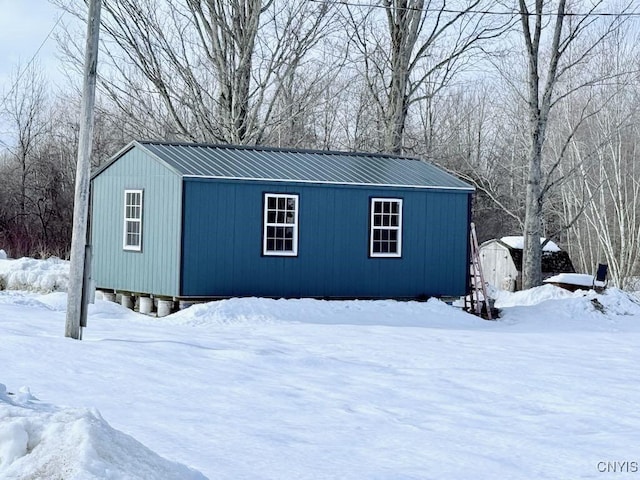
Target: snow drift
39,441
308,389
43,276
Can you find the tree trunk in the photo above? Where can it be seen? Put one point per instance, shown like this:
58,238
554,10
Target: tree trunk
404,18
532,253
539,106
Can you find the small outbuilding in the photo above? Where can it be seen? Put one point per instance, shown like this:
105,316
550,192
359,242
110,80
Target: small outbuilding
502,261
195,221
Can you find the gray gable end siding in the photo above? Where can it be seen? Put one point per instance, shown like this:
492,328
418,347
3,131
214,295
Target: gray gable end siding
155,269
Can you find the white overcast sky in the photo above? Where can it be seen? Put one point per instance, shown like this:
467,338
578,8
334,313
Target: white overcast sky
24,25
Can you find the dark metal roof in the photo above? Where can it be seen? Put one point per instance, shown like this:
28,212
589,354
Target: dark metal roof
264,163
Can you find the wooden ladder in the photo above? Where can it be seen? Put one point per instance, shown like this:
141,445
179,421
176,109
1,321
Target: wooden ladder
477,297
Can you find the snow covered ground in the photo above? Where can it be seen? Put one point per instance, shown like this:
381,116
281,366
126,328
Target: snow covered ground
578,279
306,389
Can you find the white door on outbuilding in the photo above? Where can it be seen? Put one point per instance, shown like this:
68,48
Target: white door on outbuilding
498,267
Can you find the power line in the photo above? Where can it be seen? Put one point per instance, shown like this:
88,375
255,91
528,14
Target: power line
480,11
33,58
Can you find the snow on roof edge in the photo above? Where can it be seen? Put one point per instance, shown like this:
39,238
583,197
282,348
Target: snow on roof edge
517,242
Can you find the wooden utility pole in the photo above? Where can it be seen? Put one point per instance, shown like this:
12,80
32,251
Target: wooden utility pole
77,302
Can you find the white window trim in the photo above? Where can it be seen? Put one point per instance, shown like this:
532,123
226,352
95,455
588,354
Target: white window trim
265,224
372,203
125,246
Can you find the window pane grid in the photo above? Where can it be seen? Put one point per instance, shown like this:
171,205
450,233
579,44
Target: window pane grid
132,220
386,227
280,225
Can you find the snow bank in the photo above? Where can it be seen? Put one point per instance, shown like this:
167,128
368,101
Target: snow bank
532,296
3,254
42,441
615,300
50,275
578,279
518,243
433,313
554,309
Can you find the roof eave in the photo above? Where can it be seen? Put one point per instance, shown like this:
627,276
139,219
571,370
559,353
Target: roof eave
469,189
127,148
113,159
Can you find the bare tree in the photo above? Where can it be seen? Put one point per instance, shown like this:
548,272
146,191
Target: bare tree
36,171
468,133
604,157
427,43
25,109
206,70
568,48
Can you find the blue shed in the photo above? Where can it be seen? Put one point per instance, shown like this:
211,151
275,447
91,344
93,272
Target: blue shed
189,221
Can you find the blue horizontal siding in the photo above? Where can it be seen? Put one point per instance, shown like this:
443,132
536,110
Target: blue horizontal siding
222,243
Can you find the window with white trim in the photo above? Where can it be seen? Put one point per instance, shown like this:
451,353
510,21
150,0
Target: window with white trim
386,227
132,220
280,235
